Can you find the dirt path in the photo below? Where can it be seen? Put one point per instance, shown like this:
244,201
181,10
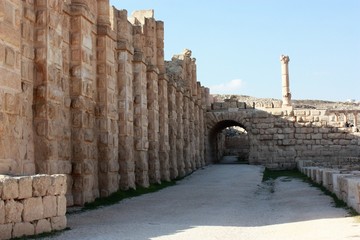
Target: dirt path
221,202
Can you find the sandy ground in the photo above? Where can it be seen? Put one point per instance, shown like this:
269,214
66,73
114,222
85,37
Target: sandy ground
224,201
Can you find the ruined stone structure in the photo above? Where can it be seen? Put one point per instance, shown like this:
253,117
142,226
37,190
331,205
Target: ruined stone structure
340,177
32,205
85,92
278,137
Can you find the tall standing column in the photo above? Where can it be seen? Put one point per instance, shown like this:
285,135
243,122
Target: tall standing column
164,147
107,111
202,125
172,108
140,120
82,91
180,132
153,123
164,128
286,95
186,129
125,55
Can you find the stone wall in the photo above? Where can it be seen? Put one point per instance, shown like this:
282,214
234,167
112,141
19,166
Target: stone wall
85,92
32,205
16,87
238,146
278,137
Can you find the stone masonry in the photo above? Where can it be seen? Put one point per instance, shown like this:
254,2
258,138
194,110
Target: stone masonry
85,92
341,178
30,205
278,137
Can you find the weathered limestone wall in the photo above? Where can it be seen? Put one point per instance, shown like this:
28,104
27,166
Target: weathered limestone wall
280,137
16,87
238,146
32,205
84,91
186,107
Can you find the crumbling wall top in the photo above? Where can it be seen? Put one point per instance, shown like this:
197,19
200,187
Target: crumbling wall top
138,17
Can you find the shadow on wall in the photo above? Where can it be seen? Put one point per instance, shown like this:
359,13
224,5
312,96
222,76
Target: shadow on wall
278,138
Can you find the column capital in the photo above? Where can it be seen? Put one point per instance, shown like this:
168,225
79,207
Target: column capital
284,59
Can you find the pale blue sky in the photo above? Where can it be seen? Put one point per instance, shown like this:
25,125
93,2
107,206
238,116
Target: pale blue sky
238,43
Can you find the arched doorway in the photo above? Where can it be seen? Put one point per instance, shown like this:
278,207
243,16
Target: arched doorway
229,137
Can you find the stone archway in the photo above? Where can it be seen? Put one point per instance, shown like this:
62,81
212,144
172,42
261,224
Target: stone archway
214,138
217,121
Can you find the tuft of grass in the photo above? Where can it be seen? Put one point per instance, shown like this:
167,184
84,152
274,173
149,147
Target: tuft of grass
290,174
43,235
274,174
121,195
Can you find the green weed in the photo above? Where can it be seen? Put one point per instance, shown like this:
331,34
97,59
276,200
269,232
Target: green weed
291,174
121,195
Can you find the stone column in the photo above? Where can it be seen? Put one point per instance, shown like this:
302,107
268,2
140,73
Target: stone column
140,119
286,95
199,126
153,124
164,128
164,147
203,126
26,148
106,109
125,54
180,131
65,155
51,98
187,133
196,136
160,46
149,47
207,98
82,90
191,136
172,108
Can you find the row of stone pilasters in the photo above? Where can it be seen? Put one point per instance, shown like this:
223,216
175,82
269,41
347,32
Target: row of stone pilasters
105,111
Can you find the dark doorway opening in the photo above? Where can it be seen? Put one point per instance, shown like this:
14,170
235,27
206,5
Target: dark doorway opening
230,143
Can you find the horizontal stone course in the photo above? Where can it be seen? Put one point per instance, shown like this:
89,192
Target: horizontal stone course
32,205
